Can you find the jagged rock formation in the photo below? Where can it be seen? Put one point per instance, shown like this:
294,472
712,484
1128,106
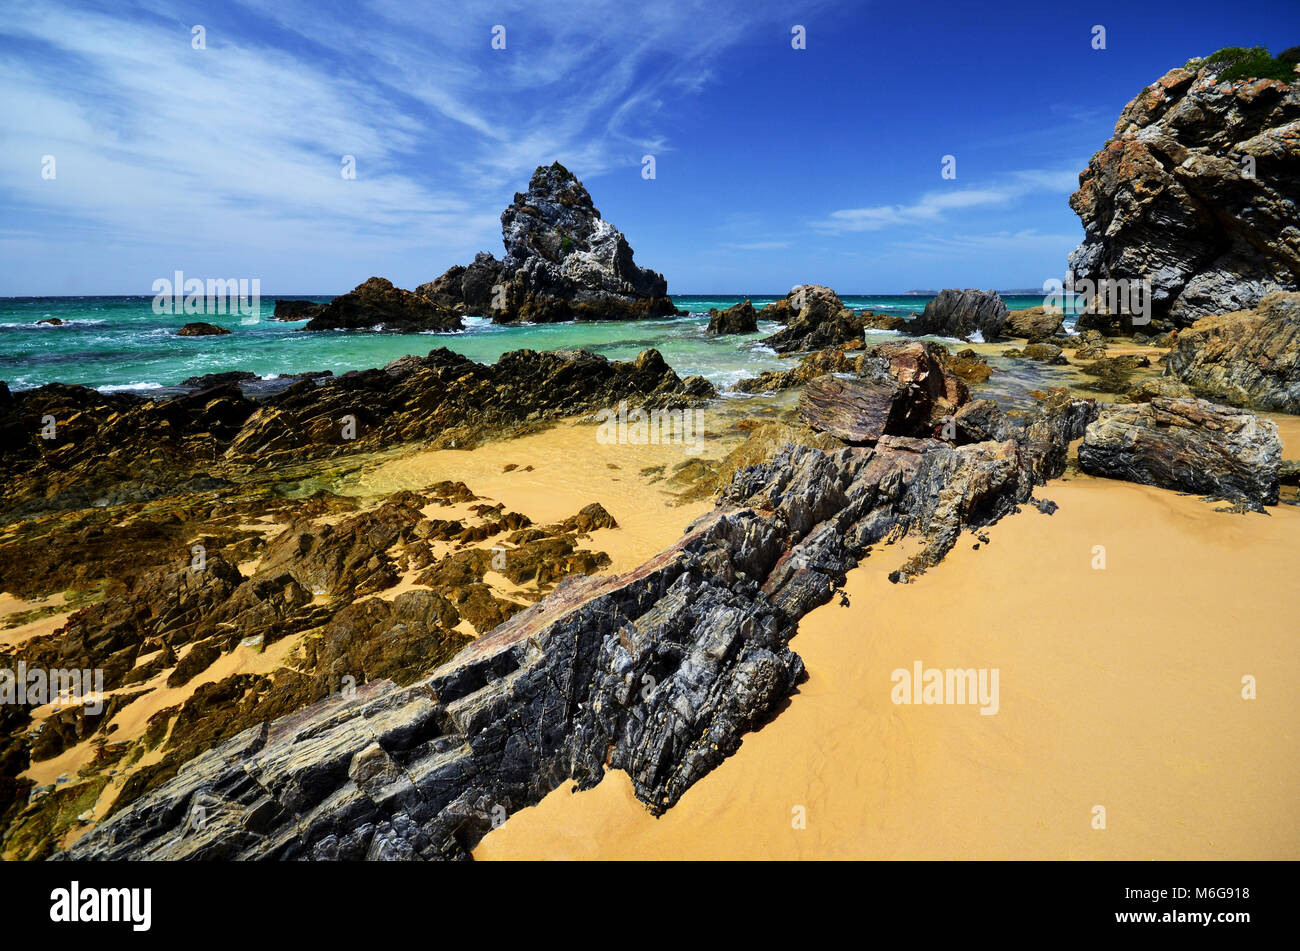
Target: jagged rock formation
1187,444
961,313
898,389
658,672
110,448
563,261
814,318
1249,358
738,319
1196,191
377,305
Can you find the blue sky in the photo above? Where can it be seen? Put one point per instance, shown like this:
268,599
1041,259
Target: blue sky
774,166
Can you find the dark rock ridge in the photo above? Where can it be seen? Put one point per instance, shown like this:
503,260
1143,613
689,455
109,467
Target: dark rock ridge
961,313
115,447
658,672
200,329
563,261
377,305
738,319
1187,444
1249,358
1171,197
466,289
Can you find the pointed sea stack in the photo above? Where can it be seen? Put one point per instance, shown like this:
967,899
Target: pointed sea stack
563,261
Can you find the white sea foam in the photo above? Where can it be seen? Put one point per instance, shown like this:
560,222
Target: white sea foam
70,322
129,387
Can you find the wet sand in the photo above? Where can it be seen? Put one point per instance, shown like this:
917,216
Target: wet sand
1119,687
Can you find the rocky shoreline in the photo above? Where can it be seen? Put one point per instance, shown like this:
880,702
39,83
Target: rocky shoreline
295,672
659,671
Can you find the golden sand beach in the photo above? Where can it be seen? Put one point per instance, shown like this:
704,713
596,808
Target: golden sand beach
1120,687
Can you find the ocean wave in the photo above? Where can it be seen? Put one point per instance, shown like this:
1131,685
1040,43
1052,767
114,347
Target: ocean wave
128,387
67,322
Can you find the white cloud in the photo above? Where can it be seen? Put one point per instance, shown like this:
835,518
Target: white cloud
160,146
933,206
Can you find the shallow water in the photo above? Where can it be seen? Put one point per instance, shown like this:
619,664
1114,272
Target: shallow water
119,343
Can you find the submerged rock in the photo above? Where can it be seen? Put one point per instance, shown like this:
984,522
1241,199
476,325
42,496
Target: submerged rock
1040,353
961,314
377,305
1195,192
1249,358
1186,444
201,329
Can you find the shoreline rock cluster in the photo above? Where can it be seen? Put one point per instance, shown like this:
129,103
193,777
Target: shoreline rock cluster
118,447
659,672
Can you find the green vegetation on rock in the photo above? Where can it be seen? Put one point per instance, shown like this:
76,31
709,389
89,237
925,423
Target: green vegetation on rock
1233,63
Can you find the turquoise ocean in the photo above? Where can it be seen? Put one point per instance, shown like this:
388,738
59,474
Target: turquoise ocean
120,344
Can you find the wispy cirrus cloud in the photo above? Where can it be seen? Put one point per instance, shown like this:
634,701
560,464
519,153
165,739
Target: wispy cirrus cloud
236,149
934,206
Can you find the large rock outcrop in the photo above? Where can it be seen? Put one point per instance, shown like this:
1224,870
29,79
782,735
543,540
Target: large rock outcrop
659,672
1249,358
377,305
961,314
563,261
1187,444
814,318
1197,192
